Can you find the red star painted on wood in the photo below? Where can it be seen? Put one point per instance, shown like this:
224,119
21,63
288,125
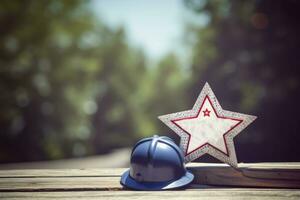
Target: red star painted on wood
209,133
206,112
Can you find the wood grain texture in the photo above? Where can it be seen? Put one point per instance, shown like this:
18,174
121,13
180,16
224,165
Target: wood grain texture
101,181
274,175
109,172
60,184
203,194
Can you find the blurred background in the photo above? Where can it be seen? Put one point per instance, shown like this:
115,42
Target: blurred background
84,80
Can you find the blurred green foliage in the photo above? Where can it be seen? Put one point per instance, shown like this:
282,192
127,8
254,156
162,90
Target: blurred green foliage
72,86
249,52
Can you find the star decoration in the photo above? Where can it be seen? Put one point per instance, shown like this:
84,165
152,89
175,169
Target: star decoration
207,128
206,113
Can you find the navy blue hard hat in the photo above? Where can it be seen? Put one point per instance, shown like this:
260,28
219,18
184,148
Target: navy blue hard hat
157,163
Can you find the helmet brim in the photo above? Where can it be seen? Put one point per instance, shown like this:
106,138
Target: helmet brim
129,182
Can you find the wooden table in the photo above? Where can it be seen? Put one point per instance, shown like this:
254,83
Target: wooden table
212,181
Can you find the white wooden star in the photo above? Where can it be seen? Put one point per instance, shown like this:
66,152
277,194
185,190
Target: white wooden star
207,128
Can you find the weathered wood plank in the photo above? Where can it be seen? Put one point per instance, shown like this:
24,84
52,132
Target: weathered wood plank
259,168
116,159
109,172
60,184
203,194
280,175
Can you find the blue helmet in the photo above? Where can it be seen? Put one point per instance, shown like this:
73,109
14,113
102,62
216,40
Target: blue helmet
157,163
